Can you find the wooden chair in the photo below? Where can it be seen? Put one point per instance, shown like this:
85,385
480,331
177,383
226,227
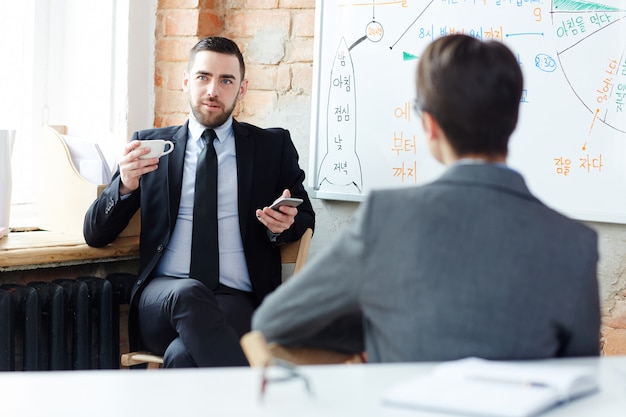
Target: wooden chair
295,253
260,353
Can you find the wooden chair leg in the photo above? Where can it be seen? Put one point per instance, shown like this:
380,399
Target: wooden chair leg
138,358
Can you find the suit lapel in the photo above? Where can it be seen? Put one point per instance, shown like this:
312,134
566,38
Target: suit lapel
175,172
244,147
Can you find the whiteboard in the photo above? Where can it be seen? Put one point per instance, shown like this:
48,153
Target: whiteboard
571,136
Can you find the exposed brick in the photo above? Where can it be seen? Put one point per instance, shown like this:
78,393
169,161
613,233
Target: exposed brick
267,47
304,23
174,49
277,63
158,79
302,78
259,103
616,317
181,23
261,4
296,4
209,24
249,23
159,30
210,4
172,74
168,101
238,108
283,79
177,4
261,77
232,5
614,342
300,50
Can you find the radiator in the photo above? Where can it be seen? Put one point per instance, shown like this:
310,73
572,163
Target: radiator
64,324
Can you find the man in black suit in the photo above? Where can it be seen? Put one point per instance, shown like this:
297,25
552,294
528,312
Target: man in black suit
198,322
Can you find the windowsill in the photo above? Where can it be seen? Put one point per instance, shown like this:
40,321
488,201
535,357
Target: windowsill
22,250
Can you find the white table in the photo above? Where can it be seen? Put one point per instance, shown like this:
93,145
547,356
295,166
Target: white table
339,390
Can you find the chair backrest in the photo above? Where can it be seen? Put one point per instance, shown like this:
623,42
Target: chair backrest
260,353
297,252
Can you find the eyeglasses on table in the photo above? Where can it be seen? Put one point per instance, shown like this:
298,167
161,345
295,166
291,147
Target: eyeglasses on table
278,370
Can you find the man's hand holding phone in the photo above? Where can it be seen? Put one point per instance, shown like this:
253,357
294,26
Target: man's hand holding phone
286,201
280,215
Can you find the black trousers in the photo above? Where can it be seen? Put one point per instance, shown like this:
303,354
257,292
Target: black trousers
192,326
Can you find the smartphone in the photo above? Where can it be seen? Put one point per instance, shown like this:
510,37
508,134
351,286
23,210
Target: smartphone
286,201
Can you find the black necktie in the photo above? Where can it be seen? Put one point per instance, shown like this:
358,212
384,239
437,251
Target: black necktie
204,247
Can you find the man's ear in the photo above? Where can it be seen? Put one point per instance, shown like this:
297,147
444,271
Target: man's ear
432,130
185,81
433,134
243,89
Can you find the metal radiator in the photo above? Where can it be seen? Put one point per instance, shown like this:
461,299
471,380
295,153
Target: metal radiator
64,324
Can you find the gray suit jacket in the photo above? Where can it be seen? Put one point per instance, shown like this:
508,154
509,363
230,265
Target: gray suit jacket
469,265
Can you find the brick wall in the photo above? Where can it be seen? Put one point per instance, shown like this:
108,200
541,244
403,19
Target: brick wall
612,276
275,36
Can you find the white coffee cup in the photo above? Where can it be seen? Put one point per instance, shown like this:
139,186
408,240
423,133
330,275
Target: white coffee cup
157,148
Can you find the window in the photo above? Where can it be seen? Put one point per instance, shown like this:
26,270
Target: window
75,63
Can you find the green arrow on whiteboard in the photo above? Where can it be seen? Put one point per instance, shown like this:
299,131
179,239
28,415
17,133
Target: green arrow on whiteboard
575,5
408,57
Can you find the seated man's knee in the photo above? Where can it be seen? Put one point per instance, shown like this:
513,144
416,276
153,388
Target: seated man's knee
177,356
190,295
190,290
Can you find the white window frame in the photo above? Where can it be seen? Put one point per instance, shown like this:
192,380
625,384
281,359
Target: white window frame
60,62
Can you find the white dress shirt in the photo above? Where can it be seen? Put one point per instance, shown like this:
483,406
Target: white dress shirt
177,256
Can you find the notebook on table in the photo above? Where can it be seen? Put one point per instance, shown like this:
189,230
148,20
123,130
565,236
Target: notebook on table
479,387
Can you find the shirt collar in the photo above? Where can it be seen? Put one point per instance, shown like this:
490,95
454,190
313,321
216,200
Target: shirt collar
474,161
196,129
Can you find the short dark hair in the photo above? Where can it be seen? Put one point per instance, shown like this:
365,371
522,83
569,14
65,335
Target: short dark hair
473,90
217,44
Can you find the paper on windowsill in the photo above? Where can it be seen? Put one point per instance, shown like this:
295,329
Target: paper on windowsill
89,159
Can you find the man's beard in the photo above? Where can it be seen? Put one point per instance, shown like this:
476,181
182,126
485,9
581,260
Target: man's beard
210,119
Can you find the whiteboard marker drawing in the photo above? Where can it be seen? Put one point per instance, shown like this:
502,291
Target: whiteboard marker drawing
340,165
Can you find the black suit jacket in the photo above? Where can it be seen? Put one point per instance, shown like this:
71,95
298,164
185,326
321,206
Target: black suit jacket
267,163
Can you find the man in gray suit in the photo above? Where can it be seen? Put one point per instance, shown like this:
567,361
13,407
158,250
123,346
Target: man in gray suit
471,264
